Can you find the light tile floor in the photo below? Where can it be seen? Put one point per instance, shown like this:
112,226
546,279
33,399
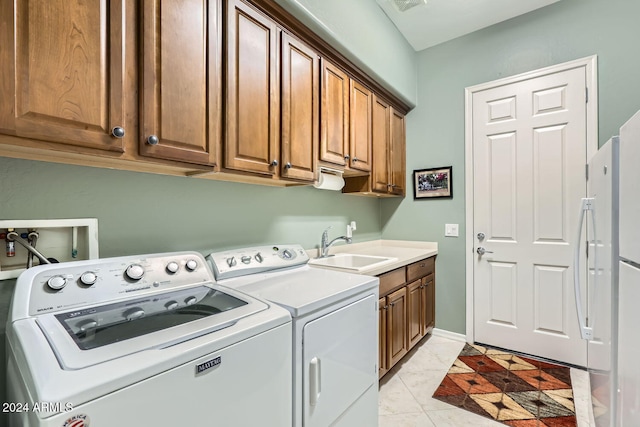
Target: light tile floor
405,392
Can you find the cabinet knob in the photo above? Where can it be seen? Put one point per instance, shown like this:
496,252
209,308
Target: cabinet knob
347,157
385,307
117,132
274,163
287,165
355,159
153,140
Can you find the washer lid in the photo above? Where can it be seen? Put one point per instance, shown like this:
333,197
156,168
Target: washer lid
88,336
304,289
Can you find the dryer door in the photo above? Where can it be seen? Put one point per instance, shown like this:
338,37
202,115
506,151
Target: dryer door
339,358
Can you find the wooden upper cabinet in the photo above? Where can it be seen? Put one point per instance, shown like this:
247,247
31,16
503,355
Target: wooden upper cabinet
360,127
62,67
381,140
334,113
300,109
180,80
397,154
252,91
388,134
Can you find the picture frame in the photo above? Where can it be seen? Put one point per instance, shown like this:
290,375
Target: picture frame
433,183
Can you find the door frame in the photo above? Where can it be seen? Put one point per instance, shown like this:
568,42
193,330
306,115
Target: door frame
590,64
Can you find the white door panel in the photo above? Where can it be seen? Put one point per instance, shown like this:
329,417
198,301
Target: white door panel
340,357
529,156
629,346
629,180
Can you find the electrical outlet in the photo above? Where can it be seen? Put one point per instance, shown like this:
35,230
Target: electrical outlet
451,230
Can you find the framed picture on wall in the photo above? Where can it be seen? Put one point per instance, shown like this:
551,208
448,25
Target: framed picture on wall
432,183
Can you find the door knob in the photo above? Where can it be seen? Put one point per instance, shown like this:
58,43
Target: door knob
481,236
482,251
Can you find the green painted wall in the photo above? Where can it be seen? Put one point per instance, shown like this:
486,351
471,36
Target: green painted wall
144,213
567,30
360,30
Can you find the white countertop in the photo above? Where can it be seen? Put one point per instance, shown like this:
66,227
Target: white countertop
405,252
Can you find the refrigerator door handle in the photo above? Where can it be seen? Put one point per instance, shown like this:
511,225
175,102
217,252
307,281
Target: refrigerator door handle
587,205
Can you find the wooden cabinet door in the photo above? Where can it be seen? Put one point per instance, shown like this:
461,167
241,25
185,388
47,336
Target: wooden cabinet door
62,71
429,296
180,80
415,312
397,154
252,137
381,139
383,366
397,345
360,127
334,114
300,110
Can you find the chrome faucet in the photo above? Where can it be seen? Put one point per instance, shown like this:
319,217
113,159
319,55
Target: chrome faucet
325,244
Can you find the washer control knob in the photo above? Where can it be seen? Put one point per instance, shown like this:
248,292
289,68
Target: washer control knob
286,254
134,272
172,267
88,278
246,259
134,313
259,257
171,305
191,265
57,282
231,261
190,300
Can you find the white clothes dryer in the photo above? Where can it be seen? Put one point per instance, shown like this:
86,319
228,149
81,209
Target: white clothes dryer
335,330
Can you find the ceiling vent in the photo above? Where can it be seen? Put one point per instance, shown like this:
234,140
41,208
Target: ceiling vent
404,5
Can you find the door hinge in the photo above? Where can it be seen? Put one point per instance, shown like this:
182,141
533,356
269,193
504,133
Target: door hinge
586,171
586,90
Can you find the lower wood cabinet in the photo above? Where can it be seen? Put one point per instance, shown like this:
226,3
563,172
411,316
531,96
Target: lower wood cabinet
406,310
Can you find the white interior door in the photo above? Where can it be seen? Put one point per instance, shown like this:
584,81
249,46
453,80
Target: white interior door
529,156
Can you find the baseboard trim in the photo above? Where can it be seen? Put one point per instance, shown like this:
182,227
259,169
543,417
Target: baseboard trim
448,334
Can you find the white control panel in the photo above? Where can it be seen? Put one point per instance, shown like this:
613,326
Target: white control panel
240,262
57,287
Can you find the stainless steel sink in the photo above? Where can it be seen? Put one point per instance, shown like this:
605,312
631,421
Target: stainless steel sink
351,262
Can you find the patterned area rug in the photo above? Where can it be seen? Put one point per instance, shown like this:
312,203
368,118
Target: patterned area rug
514,390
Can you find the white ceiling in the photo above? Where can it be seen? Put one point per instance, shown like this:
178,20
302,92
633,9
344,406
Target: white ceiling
441,20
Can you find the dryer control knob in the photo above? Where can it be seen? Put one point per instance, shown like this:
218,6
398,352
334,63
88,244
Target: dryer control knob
173,267
57,282
171,305
134,272
88,278
190,300
191,265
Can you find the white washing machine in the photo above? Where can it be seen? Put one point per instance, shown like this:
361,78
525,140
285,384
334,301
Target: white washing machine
145,340
335,330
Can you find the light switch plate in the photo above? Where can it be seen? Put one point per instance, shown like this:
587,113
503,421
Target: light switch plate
451,230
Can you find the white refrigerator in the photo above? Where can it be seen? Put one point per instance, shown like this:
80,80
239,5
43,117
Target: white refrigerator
609,305
628,339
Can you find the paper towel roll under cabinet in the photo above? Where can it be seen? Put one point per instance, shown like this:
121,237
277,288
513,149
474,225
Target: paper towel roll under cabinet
329,179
